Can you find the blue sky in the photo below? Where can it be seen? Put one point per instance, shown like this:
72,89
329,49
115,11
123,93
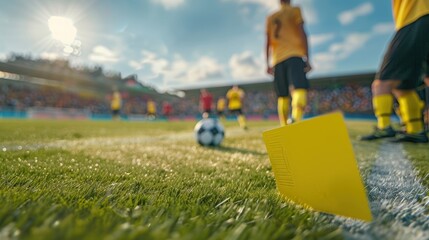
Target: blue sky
193,43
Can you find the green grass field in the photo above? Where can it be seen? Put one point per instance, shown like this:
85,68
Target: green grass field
150,180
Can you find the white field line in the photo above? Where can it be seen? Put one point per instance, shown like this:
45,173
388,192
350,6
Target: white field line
397,200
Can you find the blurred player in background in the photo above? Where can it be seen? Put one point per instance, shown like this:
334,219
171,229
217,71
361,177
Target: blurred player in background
115,105
166,109
287,42
400,72
206,102
220,107
151,109
235,98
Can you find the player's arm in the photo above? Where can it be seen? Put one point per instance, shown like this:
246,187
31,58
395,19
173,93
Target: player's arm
304,40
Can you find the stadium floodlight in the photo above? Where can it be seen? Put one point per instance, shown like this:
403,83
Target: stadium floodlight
314,165
62,29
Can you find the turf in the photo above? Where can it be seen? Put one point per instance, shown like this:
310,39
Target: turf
150,180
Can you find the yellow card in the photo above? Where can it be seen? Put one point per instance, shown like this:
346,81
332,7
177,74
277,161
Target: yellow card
314,165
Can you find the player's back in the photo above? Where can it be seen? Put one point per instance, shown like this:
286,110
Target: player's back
408,11
283,28
221,104
151,108
234,98
206,101
116,101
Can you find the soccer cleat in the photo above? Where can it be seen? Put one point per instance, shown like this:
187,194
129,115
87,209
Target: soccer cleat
379,133
420,137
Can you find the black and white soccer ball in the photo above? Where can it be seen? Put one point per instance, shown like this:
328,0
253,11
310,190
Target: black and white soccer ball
209,132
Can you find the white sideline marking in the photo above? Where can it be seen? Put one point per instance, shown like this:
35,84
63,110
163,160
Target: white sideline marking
395,195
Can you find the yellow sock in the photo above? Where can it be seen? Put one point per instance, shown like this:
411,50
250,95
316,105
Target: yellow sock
242,121
283,109
422,105
410,107
299,101
383,105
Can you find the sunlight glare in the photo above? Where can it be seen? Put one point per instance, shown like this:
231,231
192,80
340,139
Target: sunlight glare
62,29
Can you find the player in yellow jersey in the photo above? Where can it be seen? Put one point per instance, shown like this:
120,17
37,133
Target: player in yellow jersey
400,73
115,105
288,46
151,108
235,97
220,107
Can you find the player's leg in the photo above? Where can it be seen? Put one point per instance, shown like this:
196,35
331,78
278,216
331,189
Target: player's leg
281,86
386,80
241,119
300,85
283,109
382,102
409,102
409,50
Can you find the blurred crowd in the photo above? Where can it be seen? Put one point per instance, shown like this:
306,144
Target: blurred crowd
351,98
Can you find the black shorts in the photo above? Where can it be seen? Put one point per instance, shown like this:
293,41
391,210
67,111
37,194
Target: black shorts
427,66
290,72
220,113
236,111
115,112
406,54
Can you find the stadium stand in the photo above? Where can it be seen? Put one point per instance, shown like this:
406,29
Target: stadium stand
26,83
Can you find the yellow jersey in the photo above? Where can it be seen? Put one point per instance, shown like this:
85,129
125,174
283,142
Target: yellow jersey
116,101
234,98
283,30
407,11
151,108
221,104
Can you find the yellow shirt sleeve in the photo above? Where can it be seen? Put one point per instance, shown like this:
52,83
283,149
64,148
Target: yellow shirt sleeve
298,16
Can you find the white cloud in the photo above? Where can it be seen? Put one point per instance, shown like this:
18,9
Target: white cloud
169,4
180,71
384,28
136,64
49,55
353,42
205,68
309,11
307,7
348,17
319,39
245,66
3,57
267,4
326,61
102,54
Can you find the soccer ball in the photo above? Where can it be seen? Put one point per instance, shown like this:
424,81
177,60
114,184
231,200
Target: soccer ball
209,132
